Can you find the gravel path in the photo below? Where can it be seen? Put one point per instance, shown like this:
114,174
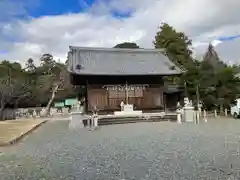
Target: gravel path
126,152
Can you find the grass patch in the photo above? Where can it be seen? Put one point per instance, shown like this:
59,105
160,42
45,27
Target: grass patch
15,129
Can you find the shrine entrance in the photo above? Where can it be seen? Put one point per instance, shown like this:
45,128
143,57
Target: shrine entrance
129,94
141,96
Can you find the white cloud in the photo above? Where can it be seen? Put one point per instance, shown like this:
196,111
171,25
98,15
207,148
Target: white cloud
200,19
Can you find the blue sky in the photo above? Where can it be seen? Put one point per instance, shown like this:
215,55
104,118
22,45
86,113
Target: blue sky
23,10
229,38
57,7
20,9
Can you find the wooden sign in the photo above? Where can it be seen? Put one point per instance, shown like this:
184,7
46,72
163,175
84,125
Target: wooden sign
125,91
125,87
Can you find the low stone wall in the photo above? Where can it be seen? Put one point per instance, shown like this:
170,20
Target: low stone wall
9,114
53,111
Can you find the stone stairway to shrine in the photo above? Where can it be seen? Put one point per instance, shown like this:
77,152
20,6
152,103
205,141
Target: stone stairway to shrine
111,119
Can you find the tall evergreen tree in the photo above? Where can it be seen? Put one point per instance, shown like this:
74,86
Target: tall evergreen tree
176,45
212,57
218,84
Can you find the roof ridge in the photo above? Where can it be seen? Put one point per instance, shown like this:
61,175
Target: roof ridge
115,49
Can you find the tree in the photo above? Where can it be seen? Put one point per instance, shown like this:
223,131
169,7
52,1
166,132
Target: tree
226,87
176,45
207,84
211,80
66,62
11,92
40,84
128,45
59,81
54,77
30,66
47,61
219,86
212,57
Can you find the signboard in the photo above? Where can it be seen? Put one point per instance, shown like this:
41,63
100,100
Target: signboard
125,87
70,102
58,104
125,91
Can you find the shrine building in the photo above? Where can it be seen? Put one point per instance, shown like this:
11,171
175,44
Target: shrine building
113,75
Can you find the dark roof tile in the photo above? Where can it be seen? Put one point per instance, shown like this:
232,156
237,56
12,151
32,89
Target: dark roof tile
116,61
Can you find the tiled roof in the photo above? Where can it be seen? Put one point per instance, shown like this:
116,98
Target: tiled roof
116,61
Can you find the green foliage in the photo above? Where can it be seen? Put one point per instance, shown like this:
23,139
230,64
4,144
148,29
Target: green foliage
38,81
214,80
129,45
176,45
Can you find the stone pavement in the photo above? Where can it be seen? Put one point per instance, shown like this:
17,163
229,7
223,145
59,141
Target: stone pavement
150,151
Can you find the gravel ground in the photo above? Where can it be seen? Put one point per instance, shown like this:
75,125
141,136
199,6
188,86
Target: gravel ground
139,151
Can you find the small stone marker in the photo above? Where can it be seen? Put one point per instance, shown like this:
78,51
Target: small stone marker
197,117
89,122
179,114
226,112
95,121
215,113
204,116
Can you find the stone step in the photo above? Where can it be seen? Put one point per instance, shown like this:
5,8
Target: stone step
124,120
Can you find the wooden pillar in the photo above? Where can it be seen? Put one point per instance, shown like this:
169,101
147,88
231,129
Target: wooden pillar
86,97
126,92
165,102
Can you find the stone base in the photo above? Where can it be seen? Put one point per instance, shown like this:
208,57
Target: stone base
188,114
128,108
127,113
76,120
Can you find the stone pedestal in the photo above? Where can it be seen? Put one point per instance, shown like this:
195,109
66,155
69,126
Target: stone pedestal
188,114
81,109
179,116
95,121
76,120
128,110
